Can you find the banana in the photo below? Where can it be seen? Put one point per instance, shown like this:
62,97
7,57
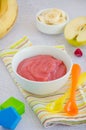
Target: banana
52,16
61,20
8,14
3,7
63,14
41,18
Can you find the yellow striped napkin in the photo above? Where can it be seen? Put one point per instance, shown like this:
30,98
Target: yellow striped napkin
38,103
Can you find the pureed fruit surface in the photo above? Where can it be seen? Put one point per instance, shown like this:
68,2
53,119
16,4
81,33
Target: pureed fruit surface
41,68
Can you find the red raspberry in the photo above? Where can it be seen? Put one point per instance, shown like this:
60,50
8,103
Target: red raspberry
78,52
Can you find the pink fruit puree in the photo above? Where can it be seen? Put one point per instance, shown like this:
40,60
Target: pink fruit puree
41,68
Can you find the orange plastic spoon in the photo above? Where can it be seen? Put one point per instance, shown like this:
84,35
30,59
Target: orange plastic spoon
71,107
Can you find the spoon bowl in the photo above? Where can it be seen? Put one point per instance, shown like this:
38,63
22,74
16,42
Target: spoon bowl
57,105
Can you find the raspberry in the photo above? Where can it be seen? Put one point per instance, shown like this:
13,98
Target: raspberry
78,52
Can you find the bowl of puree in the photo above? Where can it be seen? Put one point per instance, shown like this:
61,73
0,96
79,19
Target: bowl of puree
41,70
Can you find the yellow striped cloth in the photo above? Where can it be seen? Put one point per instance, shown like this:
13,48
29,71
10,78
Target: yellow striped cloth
37,103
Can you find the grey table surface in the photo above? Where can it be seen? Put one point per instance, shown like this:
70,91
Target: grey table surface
25,25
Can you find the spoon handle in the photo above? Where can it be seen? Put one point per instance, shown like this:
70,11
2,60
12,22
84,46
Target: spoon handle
76,70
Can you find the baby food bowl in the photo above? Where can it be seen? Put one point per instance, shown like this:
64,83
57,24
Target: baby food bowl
46,23
41,88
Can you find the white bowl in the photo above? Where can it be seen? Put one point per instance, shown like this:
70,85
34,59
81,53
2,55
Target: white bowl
50,29
41,88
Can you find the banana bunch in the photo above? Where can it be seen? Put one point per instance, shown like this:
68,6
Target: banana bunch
52,16
8,14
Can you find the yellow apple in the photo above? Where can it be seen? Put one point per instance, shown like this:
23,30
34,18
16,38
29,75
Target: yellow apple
75,31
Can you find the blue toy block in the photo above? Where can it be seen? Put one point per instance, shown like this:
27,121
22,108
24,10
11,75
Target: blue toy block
9,118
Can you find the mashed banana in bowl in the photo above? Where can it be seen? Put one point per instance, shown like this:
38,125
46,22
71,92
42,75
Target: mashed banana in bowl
52,16
51,20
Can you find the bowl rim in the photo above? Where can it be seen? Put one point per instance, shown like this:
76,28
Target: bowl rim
54,25
39,82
